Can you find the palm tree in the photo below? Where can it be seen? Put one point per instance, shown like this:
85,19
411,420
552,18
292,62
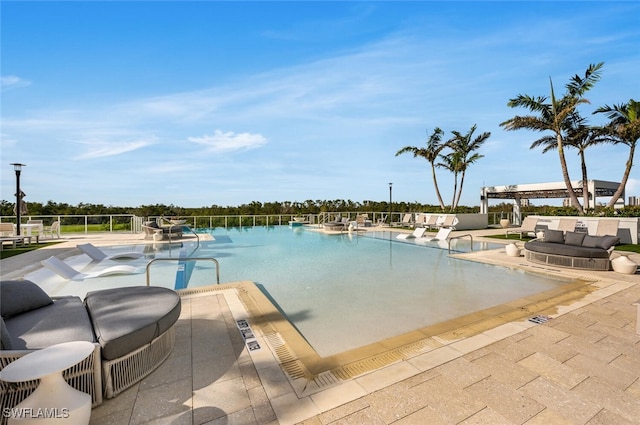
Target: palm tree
553,113
431,154
465,146
579,136
624,128
453,162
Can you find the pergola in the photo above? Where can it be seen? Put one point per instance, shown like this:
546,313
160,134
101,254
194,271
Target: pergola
596,189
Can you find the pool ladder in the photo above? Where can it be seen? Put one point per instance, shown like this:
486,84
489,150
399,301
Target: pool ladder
183,259
458,237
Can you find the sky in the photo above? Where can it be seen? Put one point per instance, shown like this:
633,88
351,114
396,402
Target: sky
226,103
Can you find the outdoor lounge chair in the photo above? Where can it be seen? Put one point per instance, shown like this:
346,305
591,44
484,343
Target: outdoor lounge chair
418,233
97,254
567,225
66,271
528,227
407,220
449,220
607,227
53,230
442,235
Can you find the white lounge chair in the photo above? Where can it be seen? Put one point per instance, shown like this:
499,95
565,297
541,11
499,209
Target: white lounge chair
528,227
448,220
442,235
66,271
97,254
567,224
418,233
53,230
407,220
607,227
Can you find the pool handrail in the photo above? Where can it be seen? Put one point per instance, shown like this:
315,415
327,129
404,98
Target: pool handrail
148,277
458,237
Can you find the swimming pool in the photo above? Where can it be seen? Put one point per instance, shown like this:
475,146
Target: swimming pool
344,291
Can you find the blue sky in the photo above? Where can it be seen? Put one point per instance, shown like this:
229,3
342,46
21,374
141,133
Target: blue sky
225,103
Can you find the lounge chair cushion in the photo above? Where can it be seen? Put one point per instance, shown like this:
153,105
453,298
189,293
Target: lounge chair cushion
19,296
125,319
554,236
64,320
574,238
604,242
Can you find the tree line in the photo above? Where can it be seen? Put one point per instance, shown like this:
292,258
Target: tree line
285,208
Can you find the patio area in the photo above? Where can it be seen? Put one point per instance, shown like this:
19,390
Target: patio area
582,366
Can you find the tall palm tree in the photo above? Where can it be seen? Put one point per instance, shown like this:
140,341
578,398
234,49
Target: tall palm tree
624,128
466,146
452,162
580,136
431,153
552,115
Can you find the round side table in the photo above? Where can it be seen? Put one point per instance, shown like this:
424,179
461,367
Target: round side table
54,401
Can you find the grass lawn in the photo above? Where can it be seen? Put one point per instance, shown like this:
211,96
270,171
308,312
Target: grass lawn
622,247
10,252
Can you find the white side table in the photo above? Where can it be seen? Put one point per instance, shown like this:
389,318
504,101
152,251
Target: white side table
54,401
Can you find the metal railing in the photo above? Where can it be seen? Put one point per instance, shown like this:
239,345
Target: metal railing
148,276
458,237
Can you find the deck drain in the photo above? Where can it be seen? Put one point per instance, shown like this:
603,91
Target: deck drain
540,319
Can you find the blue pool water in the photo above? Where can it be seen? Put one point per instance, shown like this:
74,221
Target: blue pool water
349,290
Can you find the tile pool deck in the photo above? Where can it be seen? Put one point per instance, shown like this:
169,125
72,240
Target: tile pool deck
580,367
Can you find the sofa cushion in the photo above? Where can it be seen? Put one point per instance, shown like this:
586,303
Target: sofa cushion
554,236
5,338
604,242
19,296
574,238
125,319
64,320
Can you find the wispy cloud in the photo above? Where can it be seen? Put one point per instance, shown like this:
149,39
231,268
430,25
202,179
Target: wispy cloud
229,141
103,149
10,82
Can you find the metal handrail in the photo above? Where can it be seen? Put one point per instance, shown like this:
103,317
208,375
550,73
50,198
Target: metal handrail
184,226
458,237
182,259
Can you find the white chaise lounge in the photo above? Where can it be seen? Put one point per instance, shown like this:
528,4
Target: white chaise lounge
66,271
96,254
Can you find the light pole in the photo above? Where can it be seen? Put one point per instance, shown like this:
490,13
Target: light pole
390,201
18,167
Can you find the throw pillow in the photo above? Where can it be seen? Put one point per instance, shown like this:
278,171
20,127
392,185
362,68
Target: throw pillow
574,238
19,296
604,242
554,236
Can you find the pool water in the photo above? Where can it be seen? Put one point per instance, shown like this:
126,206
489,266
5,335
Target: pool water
344,291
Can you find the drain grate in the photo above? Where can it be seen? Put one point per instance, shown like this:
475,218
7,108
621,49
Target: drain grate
540,319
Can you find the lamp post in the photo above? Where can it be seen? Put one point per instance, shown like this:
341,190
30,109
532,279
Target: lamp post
390,201
18,168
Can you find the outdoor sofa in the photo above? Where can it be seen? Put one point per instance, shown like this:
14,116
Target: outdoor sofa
573,249
132,328
152,228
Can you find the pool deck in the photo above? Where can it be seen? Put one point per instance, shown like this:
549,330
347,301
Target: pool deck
582,366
